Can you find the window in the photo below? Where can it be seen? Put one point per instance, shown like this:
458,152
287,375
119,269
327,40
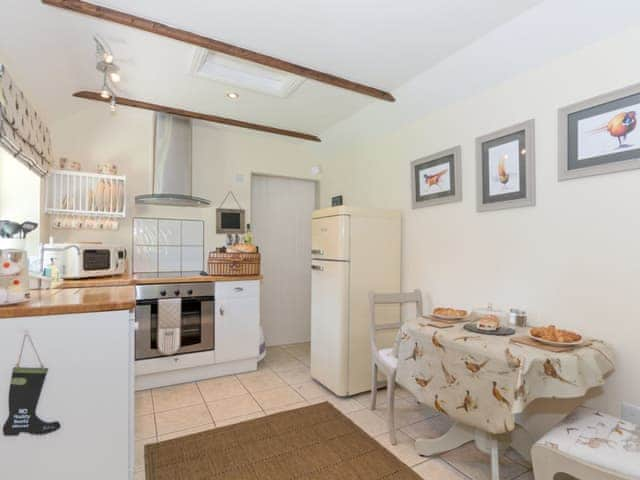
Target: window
20,195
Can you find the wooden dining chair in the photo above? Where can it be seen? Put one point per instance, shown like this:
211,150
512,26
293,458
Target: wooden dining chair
383,359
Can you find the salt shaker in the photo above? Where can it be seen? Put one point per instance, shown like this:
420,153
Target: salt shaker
517,317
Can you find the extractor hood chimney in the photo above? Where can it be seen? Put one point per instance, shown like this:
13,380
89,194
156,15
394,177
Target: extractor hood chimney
172,168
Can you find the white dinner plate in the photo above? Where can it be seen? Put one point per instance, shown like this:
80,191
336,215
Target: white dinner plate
557,344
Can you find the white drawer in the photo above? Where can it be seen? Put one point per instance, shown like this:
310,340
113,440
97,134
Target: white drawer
176,362
240,289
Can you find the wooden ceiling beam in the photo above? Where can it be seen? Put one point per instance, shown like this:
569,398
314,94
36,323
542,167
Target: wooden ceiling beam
146,25
128,102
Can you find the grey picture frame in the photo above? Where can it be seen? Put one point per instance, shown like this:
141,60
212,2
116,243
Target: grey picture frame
601,165
450,155
526,132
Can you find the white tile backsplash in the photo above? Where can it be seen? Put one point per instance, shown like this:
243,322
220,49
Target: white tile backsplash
192,259
168,245
145,231
145,258
168,259
169,232
192,232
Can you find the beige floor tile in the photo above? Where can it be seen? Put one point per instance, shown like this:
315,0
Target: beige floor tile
264,379
304,358
182,419
144,403
291,406
233,407
313,390
283,364
298,348
516,457
476,464
145,427
345,405
277,397
176,396
432,427
241,418
364,399
139,453
437,469
184,433
296,376
406,412
405,449
369,422
221,388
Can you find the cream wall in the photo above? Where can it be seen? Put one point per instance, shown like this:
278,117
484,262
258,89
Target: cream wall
223,160
572,260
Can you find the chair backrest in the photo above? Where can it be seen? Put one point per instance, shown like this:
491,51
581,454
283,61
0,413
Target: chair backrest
387,299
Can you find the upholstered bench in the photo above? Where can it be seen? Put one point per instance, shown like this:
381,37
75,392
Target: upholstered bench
589,445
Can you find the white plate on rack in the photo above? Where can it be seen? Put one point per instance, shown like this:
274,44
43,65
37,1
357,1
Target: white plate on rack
15,302
557,344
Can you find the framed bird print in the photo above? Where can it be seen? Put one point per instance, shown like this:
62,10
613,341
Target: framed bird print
599,135
506,168
436,179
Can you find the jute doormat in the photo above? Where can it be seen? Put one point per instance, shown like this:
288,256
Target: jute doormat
316,442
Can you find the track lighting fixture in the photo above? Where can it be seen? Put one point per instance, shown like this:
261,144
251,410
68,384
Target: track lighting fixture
110,71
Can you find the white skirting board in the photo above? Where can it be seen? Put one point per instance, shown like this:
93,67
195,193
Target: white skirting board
184,375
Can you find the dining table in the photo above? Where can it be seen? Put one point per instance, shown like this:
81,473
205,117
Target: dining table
499,391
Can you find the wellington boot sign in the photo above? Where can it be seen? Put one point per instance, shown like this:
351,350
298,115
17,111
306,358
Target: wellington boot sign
24,395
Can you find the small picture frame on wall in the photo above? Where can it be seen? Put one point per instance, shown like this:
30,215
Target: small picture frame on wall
436,179
506,168
599,135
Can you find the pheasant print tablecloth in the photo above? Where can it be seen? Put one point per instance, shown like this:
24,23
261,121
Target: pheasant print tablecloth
483,380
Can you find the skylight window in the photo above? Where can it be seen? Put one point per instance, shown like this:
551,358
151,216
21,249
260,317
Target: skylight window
240,73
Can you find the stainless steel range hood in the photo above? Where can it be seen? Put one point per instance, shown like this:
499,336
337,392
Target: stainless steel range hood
172,168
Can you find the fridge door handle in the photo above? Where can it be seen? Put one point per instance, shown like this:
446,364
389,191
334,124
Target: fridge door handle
317,267
317,251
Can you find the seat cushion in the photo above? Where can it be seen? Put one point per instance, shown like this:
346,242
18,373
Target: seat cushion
598,439
387,357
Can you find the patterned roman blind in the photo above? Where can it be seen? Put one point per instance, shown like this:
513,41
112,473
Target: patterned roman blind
22,131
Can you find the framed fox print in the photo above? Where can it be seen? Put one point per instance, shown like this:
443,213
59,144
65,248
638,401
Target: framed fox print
436,179
506,168
599,135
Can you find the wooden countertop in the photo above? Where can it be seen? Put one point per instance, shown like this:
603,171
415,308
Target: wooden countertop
73,300
123,280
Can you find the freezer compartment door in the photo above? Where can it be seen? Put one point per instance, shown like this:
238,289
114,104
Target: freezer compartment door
330,325
330,237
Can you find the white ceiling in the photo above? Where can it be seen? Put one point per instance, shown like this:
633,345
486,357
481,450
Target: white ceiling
380,43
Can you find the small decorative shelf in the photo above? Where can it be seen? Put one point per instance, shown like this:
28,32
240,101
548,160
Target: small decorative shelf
81,194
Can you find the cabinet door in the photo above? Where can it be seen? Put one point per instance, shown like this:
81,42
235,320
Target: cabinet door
237,328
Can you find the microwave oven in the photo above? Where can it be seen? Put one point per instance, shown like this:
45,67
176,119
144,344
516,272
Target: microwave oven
85,260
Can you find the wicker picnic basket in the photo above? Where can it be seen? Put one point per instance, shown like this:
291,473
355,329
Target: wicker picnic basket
234,264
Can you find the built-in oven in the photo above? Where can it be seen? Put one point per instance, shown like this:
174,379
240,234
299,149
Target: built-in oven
197,317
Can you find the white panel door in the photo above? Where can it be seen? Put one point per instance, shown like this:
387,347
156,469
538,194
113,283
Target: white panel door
330,324
281,211
330,237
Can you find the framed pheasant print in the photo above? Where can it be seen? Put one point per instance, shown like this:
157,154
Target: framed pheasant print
436,179
506,168
599,135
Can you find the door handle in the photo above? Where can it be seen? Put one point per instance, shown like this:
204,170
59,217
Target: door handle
221,310
317,251
317,267
238,289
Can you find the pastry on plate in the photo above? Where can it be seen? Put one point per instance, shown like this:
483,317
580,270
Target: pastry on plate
553,334
488,322
449,312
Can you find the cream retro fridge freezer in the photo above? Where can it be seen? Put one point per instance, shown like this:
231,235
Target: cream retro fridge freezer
353,251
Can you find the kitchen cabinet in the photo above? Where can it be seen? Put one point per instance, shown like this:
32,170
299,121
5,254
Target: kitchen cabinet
237,330
88,389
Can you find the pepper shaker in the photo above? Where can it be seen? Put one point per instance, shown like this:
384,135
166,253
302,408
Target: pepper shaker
517,317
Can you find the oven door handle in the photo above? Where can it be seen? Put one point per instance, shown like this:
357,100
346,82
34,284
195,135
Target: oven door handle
221,311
